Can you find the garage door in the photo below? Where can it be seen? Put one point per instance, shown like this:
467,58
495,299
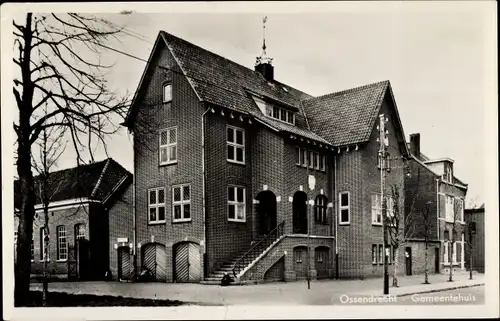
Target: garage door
187,263
300,262
124,263
322,263
154,258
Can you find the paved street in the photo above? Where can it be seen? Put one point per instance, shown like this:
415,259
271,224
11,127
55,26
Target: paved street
326,292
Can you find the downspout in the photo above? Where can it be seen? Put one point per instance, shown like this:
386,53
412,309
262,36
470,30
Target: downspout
134,224
438,214
203,189
336,216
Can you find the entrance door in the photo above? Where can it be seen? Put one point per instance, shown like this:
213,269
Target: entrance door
123,263
187,263
299,207
436,260
321,257
266,211
408,260
300,262
154,258
83,259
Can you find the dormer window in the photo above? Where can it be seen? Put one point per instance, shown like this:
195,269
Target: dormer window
275,112
448,173
167,93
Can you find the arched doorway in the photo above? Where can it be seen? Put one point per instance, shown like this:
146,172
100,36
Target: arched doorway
187,263
299,207
154,259
266,212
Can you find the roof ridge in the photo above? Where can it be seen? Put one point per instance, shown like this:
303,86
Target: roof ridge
349,90
230,61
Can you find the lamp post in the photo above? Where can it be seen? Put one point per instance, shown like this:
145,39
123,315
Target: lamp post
472,231
382,156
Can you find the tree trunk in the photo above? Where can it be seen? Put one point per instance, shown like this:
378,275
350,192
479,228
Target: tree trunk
450,259
396,266
25,228
426,265
45,261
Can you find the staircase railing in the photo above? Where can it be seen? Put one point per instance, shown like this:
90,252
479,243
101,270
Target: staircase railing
257,248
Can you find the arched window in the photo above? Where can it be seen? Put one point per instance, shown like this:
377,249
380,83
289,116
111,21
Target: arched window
320,209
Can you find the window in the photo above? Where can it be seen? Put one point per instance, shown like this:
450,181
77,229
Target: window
448,174
42,245
235,145
344,208
298,155
380,254
79,231
311,159
181,196
320,209
320,256
445,254
304,157
322,162
461,210
377,209
62,246
450,208
298,256
156,205
462,249
316,160
168,146
279,113
167,93
236,204
374,253
454,254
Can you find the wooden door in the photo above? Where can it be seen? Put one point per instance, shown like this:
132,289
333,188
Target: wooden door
322,262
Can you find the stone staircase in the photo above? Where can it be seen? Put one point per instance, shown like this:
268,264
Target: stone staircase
244,258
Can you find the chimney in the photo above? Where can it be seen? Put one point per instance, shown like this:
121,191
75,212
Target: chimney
266,70
415,145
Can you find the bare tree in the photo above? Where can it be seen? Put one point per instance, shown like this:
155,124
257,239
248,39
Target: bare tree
455,220
58,60
401,226
426,219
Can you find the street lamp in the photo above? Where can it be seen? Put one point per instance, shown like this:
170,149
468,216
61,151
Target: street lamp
472,231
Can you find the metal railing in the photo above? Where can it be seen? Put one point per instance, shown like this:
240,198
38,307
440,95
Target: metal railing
256,249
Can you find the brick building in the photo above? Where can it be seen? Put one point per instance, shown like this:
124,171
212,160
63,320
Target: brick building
476,217
89,213
222,160
435,200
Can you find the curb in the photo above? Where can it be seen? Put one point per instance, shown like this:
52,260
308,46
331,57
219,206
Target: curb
441,289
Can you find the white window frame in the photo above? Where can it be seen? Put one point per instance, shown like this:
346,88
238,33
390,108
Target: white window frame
317,158
454,254
310,159
289,115
299,155
168,146
157,205
305,156
449,208
79,235
323,163
462,204
236,204
169,85
62,251
235,145
182,203
376,209
42,246
345,207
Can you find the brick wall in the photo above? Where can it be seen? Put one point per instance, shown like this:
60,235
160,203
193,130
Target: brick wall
120,225
224,237
68,217
285,248
184,111
477,216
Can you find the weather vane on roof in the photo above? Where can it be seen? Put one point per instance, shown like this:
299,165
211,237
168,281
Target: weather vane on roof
263,57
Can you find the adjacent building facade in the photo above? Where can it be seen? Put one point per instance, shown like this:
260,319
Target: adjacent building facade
435,201
89,213
474,250
238,173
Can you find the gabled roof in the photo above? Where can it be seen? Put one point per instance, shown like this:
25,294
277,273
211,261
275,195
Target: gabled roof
94,181
348,116
341,118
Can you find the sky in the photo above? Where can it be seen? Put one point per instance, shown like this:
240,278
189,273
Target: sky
434,57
